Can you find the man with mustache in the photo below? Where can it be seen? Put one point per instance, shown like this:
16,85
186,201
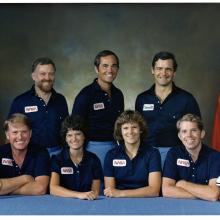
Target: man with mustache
45,108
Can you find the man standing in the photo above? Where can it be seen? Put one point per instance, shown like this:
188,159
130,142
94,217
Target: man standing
100,103
164,103
43,105
191,169
23,170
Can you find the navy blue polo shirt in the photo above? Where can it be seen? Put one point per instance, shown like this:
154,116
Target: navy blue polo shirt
45,118
161,118
131,174
77,178
36,163
180,166
99,110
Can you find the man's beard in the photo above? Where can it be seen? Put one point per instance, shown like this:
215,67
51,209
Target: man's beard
45,87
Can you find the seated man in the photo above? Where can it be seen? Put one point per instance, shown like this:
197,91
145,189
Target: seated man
191,169
23,170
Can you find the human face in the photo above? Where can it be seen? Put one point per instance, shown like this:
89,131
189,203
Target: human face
190,135
131,133
75,139
107,70
163,72
44,77
18,136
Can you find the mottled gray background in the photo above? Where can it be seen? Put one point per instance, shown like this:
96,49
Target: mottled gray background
72,34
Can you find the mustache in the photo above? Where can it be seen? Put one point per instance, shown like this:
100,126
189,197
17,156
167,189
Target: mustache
50,81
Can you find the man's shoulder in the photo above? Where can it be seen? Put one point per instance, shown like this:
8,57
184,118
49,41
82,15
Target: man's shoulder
182,91
87,90
145,93
178,150
5,147
23,95
59,95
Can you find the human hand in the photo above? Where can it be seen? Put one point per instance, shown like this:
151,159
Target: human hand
28,178
180,183
111,192
87,195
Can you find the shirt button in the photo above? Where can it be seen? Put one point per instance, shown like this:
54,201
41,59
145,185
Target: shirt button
106,94
193,175
77,171
44,105
193,168
46,111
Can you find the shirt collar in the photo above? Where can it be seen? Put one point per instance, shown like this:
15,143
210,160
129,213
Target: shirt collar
140,149
203,151
66,154
174,89
98,88
33,92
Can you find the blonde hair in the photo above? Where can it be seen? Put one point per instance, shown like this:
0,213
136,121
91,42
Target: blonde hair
17,118
191,118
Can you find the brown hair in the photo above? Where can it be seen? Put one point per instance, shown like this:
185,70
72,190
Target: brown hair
126,117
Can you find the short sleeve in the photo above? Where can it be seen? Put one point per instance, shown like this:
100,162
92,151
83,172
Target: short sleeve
42,164
155,161
55,165
170,167
108,166
214,165
97,168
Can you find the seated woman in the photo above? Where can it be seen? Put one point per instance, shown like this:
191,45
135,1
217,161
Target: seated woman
132,169
75,172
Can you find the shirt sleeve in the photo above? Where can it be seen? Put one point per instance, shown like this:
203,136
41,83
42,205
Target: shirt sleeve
137,104
193,107
42,166
108,166
97,169
55,165
15,108
65,108
214,169
170,167
80,106
155,161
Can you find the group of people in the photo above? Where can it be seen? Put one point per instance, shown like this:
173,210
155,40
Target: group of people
153,150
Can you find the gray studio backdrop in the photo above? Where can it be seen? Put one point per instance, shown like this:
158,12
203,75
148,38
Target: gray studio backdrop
72,34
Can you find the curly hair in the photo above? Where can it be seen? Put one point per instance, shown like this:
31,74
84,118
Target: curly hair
126,117
73,122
